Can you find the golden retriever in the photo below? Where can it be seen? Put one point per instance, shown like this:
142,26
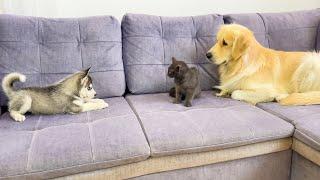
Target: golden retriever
252,73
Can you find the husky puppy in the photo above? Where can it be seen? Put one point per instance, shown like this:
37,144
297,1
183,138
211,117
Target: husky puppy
74,94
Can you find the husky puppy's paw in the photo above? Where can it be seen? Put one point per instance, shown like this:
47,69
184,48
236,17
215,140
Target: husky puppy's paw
17,117
104,105
101,104
101,101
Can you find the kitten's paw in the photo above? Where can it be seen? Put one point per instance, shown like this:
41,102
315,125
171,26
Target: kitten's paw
175,101
220,94
18,117
188,104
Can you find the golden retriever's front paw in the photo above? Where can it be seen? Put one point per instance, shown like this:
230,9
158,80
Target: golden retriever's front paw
281,96
237,95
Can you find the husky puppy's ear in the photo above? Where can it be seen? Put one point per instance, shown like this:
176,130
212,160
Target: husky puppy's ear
85,79
86,71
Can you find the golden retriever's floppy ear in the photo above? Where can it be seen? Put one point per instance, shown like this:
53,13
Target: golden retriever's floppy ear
240,45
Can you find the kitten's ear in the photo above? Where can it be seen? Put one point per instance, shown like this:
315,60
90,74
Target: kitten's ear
178,67
174,60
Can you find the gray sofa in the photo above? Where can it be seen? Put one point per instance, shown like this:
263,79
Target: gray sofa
142,135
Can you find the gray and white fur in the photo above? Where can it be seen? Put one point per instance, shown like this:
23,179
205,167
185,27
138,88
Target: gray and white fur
74,94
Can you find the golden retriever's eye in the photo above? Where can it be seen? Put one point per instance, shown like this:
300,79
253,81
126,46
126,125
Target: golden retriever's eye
224,43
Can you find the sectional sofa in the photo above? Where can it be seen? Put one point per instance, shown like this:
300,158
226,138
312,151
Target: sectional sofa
142,135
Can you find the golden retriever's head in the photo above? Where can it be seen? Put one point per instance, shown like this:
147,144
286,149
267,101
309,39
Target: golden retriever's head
232,42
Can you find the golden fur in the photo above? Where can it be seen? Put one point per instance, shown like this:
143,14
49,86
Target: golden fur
252,73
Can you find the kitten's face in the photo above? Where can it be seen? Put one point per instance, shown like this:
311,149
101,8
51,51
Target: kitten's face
177,68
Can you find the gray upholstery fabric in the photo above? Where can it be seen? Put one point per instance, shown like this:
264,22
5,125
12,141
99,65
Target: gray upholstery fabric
275,166
48,49
290,31
318,39
149,42
303,169
211,123
52,146
304,118
308,131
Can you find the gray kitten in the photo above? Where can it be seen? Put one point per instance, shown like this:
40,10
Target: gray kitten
74,94
187,84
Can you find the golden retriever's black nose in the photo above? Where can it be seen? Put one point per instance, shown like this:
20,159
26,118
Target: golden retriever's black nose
209,55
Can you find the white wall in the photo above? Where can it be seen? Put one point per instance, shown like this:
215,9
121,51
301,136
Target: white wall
117,8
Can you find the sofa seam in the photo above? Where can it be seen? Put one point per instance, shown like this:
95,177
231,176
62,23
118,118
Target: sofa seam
38,123
164,52
74,123
91,142
277,137
265,28
28,168
79,165
111,70
306,137
151,64
173,37
39,52
279,115
79,43
140,122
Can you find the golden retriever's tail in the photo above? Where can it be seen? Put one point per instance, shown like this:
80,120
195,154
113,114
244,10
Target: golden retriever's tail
299,99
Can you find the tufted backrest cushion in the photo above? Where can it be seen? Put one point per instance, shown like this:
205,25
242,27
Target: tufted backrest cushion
292,31
288,31
149,43
46,50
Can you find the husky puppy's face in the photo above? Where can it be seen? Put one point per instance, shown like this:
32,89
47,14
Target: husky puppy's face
86,90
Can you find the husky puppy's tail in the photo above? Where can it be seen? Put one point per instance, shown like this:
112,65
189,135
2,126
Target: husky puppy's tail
8,80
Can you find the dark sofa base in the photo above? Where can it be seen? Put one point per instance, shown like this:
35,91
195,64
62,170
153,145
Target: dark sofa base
304,169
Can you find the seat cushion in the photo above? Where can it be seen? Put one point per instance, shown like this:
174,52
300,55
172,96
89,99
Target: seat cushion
304,118
47,49
149,43
211,123
58,145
